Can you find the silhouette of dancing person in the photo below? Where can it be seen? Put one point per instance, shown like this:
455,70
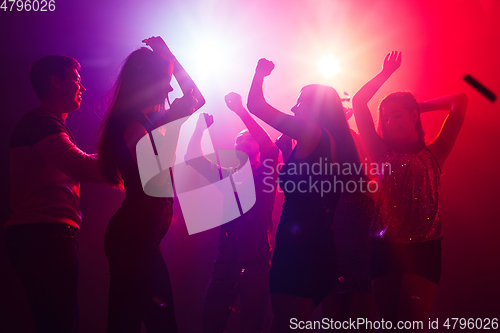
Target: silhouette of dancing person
351,296
241,266
303,266
406,229
140,289
46,168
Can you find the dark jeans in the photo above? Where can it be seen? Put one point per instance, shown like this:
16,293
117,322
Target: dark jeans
249,280
45,257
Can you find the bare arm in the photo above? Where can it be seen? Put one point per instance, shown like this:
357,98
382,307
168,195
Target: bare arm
194,146
374,144
306,133
195,156
457,104
234,103
187,85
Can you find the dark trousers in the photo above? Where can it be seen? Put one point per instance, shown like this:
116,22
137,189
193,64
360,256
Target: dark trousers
141,292
139,288
45,257
250,281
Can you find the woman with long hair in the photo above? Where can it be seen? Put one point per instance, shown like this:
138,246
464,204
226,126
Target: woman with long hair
406,228
303,267
351,296
140,290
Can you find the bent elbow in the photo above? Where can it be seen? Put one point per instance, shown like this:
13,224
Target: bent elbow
252,105
201,102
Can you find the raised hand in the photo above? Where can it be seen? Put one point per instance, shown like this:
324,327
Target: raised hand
264,67
204,121
159,46
182,107
234,103
392,62
284,143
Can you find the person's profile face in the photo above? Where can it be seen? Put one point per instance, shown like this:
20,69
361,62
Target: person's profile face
299,109
163,86
304,107
71,89
167,78
166,87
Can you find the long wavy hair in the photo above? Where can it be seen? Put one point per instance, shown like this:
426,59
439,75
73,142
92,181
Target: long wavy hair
332,118
408,101
139,85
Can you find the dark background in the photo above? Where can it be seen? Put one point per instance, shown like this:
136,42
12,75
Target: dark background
219,43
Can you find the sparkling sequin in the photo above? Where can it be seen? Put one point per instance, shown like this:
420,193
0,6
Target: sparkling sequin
407,208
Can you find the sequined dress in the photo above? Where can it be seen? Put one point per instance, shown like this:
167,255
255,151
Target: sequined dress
407,208
406,228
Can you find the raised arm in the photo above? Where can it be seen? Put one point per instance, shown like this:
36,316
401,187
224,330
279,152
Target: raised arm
194,146
306,133
187,85
457,105
194,154
374,144
234,103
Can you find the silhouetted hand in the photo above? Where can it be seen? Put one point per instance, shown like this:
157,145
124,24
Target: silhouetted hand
264,67
159,46
284,143
392,62
234,103
204,121
183,107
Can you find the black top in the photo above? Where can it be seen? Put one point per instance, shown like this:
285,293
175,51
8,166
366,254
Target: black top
126,163
304,261
312,187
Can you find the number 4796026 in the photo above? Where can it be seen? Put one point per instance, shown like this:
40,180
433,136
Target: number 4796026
471,323
28,5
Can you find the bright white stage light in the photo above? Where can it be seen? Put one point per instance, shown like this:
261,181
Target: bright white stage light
328,66
210,56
